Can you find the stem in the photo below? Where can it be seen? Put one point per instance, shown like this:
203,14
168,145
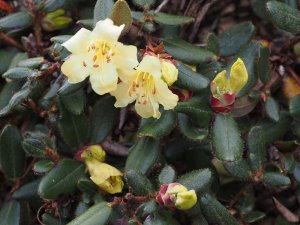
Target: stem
11,41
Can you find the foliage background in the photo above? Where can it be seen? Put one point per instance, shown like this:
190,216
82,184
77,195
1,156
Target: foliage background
243,165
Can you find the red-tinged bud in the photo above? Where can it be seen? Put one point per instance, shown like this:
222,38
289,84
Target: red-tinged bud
182,94
223,105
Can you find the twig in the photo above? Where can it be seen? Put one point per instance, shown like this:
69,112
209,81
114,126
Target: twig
114,148
164,2
11,41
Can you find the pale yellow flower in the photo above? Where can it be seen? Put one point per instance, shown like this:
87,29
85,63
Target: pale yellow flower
106,177
237,80
145,86
186,199
169,72
98,54
94,152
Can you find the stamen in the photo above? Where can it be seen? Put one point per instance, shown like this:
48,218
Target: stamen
95,66
84,64
95,58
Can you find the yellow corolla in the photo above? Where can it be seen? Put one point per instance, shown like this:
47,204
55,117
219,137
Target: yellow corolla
106,177
145,86
237,80
186,199
169,72
98,54
94,152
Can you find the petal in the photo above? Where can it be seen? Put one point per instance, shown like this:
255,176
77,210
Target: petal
75,68
106,30
104,79
79,42
151,109
125,60
169,72
238,76
122,96
150,64
219,83
165,96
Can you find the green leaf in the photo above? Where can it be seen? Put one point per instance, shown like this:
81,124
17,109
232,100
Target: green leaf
102,10
68,88
284,16
15,21
189,130
197,109
43,166
147,151
257,147
12,155
275,179
215,212
249,55
52,5
147,208
174,20
28,191
198,180
139,183
6,56
295,107
189,79
158,128
186,52
74,102
96,215
32,63
259,7
62,179
272,109
17,73
263,68
254,216
49,220
103,119
213,43
239,169
87,186
121,14
226,139
73,128
234,38
167,175
87,23
10,213
60,39
160,218
7,92
144,3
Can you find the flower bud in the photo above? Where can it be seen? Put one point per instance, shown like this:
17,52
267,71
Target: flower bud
176,195
224,104
55,20
106,177
93,152
182,94
169,72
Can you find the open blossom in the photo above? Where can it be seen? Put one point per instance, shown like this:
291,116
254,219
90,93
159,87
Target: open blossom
176,195
98,54
146,87
224,90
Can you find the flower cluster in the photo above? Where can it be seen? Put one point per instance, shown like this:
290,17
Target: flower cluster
113,68
224,91
176,195
106,177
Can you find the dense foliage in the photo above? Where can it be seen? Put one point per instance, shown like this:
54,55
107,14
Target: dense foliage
222,148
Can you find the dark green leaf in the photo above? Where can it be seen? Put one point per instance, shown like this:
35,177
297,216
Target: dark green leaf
213,43
7,92
27,191
62,179
254,216
226,139
96,215
10,213
121,14
160,218
199,180
19,73
284,16
144,3
68,88
259,7
263,68
158,128
102,10
12,155
174,20
234,38
189,129
139,183
215,212
257,147
49,220
32,63
75,102
60,39
147,208
103,119
147,151
15,21
43,166
275,179
52,5
295,107
272,109
189,79
239,169
186,52
87,186
167,175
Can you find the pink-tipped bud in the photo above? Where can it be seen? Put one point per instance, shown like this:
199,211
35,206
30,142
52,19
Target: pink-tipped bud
223,105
